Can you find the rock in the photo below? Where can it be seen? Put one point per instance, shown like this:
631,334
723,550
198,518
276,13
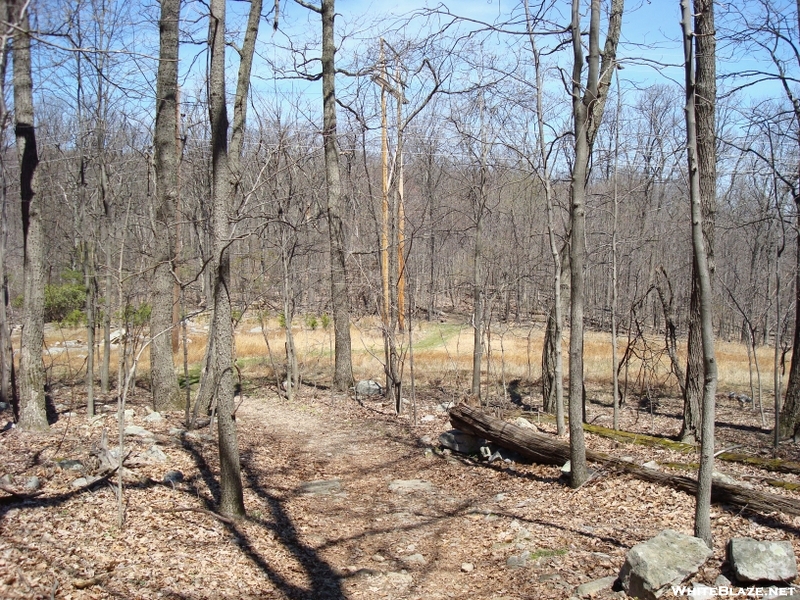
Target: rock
4,406
7,479
138,431
173,477
129,413
651,465
368,387
426,440
155,454
668,559
444,407
524,423
153,417
84,481
755,561
518,561
378,558
722,581
414,559
427,419
590,588
567,468
725,478
32,484
467,567
458,441
177,431
321,487
69,465
403,486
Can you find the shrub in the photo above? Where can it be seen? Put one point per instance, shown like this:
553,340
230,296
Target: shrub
62,300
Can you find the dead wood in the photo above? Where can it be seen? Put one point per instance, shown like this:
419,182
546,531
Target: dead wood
545,449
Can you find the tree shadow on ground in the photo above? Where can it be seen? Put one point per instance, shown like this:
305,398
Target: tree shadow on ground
325,581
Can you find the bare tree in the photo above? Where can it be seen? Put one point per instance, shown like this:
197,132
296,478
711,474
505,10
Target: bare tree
588,104
165,161
700,131
33,414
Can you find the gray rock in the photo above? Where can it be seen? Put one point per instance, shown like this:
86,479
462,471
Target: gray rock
669,558
403,486
719,477
321,487
4,406
458,441
590,588
518,561
756,561
129,413
138,431
7,479
70,465
368,387
155,455
444,407
467,567
32,484
566,469
524,423
651,465
173,477
153,417
414,559
84,481
722,581
427,419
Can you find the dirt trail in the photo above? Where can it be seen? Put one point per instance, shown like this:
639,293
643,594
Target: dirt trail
466,530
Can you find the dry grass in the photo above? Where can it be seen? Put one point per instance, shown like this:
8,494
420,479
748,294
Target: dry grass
442,355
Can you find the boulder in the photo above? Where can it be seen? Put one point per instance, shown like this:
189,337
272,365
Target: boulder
668,559
138,431
755,561
368,387
173,477
458,441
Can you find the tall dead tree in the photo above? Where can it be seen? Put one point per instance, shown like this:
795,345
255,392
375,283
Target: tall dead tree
588,104
32,411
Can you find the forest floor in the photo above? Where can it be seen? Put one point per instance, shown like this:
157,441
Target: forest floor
360,539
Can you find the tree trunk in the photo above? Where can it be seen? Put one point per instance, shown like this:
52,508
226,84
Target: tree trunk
166,394
33,413
700,132
587,111
340,300
231,495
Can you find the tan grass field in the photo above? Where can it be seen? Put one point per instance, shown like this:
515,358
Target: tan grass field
442,355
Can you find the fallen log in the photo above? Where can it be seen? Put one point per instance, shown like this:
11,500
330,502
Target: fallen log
770,464
548,450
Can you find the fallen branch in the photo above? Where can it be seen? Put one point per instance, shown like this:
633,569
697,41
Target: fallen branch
548,450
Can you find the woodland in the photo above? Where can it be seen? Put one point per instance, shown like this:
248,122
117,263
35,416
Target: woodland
246,248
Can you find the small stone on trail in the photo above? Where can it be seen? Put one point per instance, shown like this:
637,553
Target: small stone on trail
321,487
467,567
401,486
414,559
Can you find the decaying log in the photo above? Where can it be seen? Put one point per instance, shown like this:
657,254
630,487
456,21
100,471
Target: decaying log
548,450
